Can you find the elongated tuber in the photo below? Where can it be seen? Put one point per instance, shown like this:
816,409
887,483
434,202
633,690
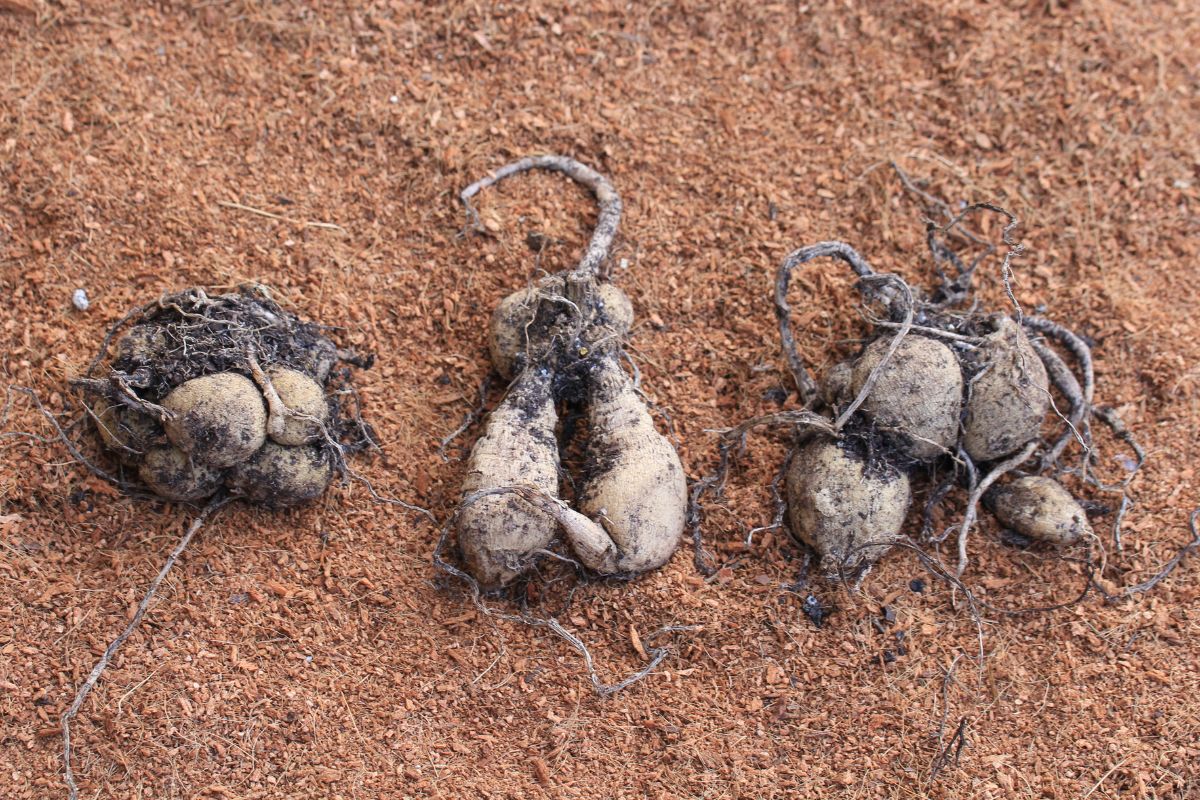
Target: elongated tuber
499,534
1040,508
636,489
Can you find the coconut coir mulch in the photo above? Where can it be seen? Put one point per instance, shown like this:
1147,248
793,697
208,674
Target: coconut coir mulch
314,653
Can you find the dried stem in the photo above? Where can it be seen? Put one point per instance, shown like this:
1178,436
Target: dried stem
977,493
606,195
72,790
806,387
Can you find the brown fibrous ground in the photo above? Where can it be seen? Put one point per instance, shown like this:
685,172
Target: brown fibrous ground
314,652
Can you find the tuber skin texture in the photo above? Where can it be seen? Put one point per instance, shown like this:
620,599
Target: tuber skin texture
510,331
614,308
1009,398
128,433
280,477
917,397
218,420
171,474
835,388
1039,508
836,504
304,396
500,534
636,491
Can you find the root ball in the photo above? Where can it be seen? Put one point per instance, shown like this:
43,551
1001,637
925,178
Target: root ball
837,504
171,474
1010,397
219,420
279,476
917,398
305,398
1039,508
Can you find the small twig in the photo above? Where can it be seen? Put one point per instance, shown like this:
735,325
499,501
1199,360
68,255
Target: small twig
734,439
470,418
1065,381
1167,569
329,226
98,670
66,442
777,494
952,751
1110,418
947,679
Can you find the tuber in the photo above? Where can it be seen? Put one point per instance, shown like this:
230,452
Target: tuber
636,488
838,503
500,534
1039,508
218,420
1009,396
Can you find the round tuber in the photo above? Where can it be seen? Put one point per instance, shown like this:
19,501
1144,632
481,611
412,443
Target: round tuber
1008,398
278,476
171,474
837,503
917,396
306,404
219,420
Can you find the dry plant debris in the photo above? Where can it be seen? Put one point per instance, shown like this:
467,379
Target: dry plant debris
309,648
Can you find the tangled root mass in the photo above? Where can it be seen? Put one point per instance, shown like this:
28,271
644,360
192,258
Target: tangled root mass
229,389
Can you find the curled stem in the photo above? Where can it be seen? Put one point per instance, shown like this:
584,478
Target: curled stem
606,195
806,387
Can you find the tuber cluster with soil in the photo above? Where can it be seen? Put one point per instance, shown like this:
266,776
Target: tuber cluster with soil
943,393
559,344
226,391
